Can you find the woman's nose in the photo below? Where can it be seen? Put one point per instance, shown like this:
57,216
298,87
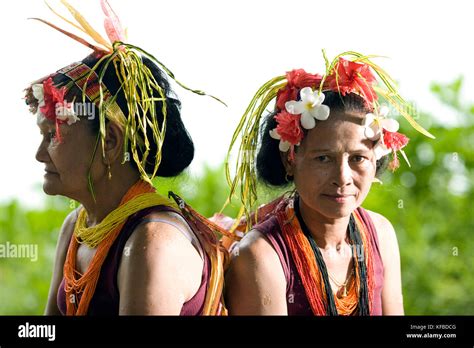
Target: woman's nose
342,174
42,153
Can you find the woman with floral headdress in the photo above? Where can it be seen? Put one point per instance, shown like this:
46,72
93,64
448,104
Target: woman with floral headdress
110,124
316,251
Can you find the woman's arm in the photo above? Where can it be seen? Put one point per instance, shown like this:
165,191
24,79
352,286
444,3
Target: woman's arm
61,251
255,282
159,271
392,298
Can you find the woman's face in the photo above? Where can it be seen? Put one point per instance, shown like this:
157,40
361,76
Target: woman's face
66,163
335,165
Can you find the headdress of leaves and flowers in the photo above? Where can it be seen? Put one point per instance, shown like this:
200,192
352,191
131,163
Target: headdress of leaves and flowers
52,105
136,82
299,96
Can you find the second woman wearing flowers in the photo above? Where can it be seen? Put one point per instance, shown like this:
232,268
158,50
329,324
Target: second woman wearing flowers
315,250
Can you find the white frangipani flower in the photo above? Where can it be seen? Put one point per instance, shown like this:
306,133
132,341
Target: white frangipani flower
38,93
375,123
310,107
284,146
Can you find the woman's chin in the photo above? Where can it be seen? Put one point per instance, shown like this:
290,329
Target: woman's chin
51,187
338,211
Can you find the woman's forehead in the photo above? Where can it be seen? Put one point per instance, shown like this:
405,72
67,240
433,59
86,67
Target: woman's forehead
342,132
341,120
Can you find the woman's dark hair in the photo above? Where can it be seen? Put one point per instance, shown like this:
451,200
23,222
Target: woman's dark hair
177,151
270,168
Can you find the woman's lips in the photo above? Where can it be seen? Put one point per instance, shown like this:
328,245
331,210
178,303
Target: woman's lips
338,198
49,172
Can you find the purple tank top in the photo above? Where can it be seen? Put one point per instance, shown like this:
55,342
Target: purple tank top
296,299
106,297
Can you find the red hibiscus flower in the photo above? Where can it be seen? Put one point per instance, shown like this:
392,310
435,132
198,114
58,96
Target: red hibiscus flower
350,77
289,127
300,78
52,96
394,140
297,79
286,94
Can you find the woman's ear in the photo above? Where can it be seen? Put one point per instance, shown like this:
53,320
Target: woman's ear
113,142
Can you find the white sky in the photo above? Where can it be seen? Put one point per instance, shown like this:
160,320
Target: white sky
230,49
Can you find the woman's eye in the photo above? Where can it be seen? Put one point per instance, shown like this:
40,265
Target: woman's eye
358,158
51,136
322,158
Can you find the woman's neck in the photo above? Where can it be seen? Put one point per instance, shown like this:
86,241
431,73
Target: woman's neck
327,232
108,195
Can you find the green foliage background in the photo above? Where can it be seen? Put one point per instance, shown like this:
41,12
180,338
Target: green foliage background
430,205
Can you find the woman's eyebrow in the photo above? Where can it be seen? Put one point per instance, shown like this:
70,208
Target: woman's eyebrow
362,149
321,150
365,149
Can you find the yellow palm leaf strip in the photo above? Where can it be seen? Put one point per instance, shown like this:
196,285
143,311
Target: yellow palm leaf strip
402,109
358,57
168,71
128,74
90,183
86,26
248,120
248,129
138,85
121,119
102,106
136,92
64,18
238,219
121,74
395,99
72,36
126,77
148,85
391,94
109,57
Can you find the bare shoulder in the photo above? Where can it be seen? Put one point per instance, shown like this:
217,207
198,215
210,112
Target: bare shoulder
159,256
162,238
254,257
383,226
255,281
255,247
387,238
163,231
